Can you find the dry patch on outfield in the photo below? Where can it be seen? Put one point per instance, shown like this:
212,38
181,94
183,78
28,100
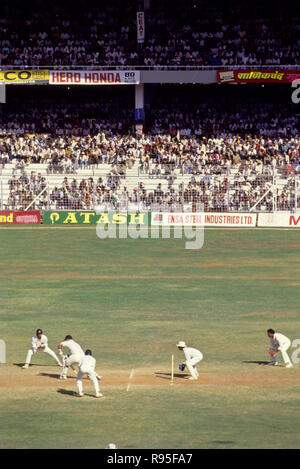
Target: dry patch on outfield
89,276
285,314
279,376
278,315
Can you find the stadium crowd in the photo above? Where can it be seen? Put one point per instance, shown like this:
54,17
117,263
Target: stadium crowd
212,158
178,33
211,153
210,190
218,131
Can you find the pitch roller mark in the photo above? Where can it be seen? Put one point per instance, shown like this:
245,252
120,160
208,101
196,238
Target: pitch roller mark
130,378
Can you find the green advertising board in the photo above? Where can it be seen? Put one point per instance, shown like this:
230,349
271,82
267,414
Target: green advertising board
93,218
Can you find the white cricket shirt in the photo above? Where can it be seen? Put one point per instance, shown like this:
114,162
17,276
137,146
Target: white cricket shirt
280,340
87,363
74,348
190,352
36,342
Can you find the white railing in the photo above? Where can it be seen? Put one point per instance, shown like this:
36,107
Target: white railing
206,188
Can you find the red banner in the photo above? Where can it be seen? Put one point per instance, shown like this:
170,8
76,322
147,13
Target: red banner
257,76
9,217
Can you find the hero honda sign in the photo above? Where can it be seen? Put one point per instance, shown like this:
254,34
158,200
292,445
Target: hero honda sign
94,77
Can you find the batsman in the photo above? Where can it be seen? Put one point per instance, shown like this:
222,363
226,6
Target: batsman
192,358
74,356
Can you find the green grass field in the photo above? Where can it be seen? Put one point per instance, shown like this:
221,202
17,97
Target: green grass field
130,301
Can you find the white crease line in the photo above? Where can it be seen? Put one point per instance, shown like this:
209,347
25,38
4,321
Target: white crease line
130,377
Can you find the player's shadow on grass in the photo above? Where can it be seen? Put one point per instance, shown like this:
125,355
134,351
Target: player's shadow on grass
56,376
256,362
168,375
50,375
67,392
32,364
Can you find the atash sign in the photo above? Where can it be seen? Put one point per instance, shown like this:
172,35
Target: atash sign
99,77
93,218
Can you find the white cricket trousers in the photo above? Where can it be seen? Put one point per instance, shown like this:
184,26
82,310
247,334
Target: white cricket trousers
191,365
283,349
91,374
47,349
71,360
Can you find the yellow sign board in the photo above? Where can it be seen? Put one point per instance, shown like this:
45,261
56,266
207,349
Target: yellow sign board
23,76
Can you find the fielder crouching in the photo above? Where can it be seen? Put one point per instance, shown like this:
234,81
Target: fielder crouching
279,342
40,343
87,366
192,356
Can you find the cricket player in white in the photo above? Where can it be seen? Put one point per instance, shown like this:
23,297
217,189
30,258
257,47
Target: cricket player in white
87,366
279,342
75,354
40,342
192,356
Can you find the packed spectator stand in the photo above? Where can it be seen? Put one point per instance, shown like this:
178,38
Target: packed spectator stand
178,33
218,155
202,148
